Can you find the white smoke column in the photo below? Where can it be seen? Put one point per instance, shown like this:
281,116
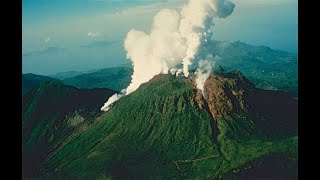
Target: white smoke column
157,52
191,28
111,100
193,24
202,73
173,41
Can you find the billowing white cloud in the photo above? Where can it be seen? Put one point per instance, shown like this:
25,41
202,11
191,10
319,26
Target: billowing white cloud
173,42
93,34
174,39
48,39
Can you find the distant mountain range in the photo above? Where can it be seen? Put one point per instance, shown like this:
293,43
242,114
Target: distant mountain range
30,81
69,74
116,78
267,68
166,129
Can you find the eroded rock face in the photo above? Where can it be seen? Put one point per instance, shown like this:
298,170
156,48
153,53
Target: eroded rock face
224,94
231,93
199,99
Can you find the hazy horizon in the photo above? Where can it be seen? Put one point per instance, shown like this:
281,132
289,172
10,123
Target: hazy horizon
60,36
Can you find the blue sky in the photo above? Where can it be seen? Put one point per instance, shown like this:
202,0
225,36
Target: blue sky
64,35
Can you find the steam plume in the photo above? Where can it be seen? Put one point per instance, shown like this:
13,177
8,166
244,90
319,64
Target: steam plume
173,41
202,73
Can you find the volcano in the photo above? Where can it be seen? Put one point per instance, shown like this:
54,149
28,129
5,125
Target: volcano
168,129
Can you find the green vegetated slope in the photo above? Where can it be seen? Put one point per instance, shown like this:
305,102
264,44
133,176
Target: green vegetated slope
166,130
51,112
30,81
116,78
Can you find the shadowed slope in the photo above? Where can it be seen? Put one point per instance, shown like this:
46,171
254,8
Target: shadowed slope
51,112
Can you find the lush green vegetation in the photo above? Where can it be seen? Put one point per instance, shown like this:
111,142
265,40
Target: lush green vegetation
51,112
160,132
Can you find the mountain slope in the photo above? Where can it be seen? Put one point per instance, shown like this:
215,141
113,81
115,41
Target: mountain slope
232,94
68,74
116,78
166,129
30,81
51,112
267,68
156,128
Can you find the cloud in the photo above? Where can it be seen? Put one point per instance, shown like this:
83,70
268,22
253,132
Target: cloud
48,39
173,41
151,6
93,34
41,52
175,38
